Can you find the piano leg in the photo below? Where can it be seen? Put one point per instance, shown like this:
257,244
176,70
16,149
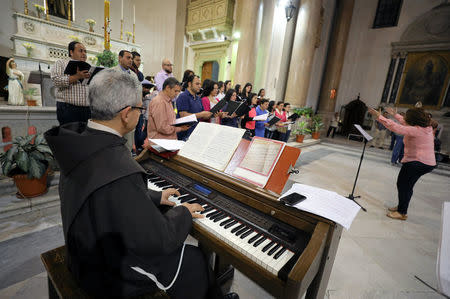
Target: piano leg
318,286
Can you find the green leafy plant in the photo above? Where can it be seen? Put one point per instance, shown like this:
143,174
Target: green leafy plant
316,123
306,111
301,127
29,92
28,155
107,59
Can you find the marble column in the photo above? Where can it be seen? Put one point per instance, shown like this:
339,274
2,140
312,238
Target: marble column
262,60
286,55
247,50
336,53
179,49
303,49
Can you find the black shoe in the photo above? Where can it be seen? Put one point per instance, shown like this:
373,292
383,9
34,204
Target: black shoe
231,296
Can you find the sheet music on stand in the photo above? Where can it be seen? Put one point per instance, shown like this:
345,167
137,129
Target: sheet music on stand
363,132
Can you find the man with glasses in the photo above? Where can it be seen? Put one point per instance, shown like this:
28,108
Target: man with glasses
118,242
163,74
71,95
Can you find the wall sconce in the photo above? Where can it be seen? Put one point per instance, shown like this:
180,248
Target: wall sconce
290,10
237,35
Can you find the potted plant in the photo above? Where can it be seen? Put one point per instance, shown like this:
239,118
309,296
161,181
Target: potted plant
28,94
316,125
301,129
27,163
107,59
91,24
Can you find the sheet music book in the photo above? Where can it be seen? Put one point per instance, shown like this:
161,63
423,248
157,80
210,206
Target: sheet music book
273,121
232,107
293,117
71,68
363,132
443,259
167,144
259,161
187,120
92,71
261,117
212,145
242,109
324,203
217,107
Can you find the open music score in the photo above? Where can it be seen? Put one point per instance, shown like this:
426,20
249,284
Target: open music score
212,145
259,161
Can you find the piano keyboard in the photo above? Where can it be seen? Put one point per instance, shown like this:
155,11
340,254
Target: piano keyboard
276,255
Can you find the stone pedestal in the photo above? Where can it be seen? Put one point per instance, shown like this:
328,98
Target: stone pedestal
303,49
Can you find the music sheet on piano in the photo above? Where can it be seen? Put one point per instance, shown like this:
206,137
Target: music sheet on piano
212,145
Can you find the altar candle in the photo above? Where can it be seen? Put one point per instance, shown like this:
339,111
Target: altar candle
107,46
134,14
121,11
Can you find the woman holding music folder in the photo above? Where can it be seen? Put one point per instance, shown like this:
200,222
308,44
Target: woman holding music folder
249,123
228,119
209,100
418,159
260,125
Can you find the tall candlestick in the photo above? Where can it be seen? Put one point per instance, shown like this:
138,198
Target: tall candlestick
25,7
133,32
69,17
107,44
47,16
121,11
134,14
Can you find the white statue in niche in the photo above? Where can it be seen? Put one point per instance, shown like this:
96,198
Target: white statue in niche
15,83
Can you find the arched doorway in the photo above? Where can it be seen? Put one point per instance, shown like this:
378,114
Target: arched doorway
210,70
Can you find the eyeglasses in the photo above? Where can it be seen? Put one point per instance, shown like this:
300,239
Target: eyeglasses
132,107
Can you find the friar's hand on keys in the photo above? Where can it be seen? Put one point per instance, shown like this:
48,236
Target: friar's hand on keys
165,194
194,208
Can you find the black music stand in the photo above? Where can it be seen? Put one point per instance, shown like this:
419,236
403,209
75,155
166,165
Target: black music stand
366,138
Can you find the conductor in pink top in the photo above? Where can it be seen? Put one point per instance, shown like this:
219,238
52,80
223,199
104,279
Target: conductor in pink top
419,157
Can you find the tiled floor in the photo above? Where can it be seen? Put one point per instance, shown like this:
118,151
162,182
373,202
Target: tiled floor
377,258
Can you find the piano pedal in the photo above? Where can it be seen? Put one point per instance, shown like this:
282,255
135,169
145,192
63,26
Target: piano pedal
225,276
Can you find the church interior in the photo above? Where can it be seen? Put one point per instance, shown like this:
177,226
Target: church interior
332,60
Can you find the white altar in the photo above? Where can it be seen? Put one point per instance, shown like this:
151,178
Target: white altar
50,41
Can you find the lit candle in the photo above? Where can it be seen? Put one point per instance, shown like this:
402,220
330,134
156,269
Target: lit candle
107,46
121,11
134,14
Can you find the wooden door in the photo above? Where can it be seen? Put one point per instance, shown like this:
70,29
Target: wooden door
207,69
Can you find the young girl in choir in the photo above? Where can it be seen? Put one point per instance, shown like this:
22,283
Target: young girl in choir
260,125
229,120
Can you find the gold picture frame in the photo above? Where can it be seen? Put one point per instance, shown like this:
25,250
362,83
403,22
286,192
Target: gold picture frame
425,79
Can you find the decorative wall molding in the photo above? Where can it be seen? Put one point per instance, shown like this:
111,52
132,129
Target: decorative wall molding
207,19
211,52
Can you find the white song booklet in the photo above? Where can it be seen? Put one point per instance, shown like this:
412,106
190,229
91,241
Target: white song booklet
212,145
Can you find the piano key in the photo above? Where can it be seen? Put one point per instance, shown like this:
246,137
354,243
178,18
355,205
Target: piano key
272,251
254,238
207,209
213,217
226,221
244,235
279,253
230,224
237,228
260,240
242,230
268,246
215,212
217,219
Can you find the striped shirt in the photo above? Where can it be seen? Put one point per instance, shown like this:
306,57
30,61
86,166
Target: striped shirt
74,93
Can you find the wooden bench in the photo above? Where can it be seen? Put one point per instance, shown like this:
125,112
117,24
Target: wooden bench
62,285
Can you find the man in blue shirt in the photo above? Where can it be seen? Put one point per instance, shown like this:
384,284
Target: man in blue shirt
188,102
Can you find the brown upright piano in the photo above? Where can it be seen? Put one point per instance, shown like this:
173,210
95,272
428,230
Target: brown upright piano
286,251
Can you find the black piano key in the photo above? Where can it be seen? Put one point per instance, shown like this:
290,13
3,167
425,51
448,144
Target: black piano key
279,253
268,246
254,238
186,198
271,251
230,224
196,200
213,213
244,235
217,219
207,209
162,184
157,181
154,179
241,231
262,239
226,221
237,228
166,187
216,215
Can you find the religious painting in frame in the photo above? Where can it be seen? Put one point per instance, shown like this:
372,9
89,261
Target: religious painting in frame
424,79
